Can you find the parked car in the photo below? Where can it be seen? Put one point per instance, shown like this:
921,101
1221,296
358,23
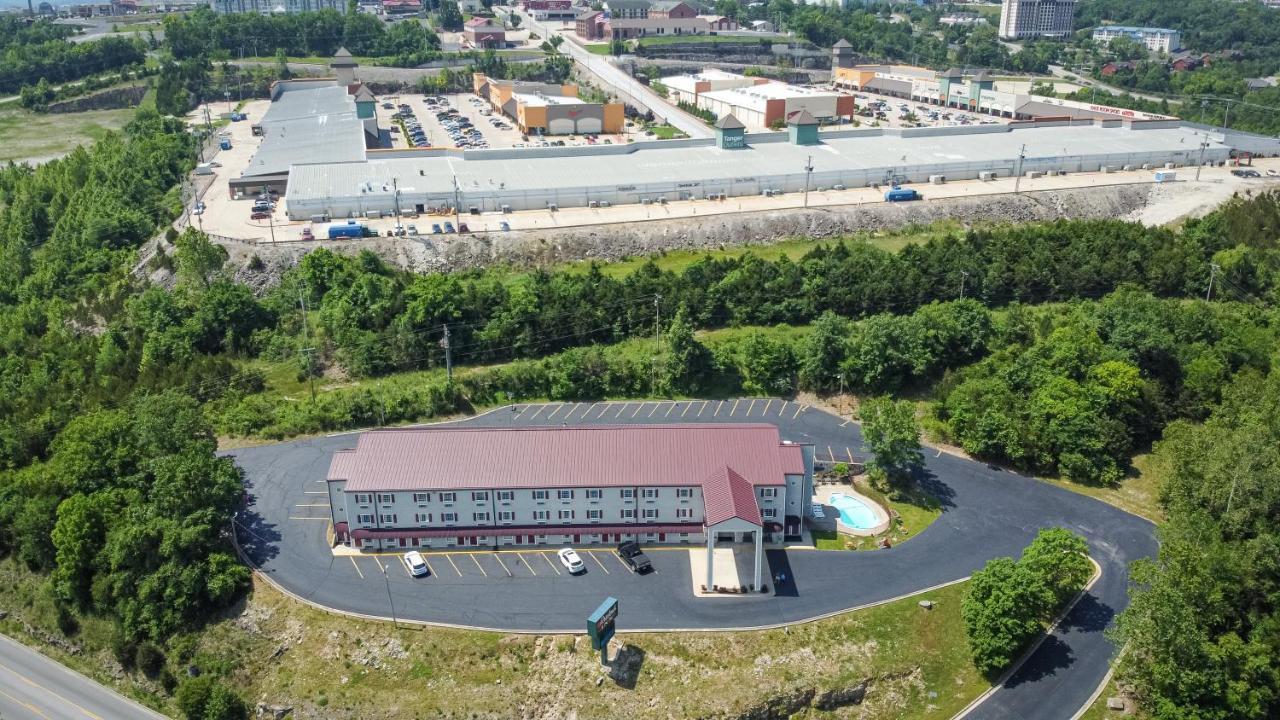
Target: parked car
260,215
506,227
448,228
416,563
307,234
571,560
634,557
435,229
411,229
462,228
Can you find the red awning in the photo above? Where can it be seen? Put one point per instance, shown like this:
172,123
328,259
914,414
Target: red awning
502,530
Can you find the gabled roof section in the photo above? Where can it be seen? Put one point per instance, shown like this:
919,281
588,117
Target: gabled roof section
801,117
842,43
729,122
364,94
727,495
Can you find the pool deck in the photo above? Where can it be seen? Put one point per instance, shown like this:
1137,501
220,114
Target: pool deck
822,495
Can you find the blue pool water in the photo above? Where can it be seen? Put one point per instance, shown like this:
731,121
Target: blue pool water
853,512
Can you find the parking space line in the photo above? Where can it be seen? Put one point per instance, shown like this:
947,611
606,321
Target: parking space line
654,410
799,407
381,567
478,565
312,505
637,410
669,409
428,562
603,409
602,567
783,408
831,454
295,517
703,408
405,565
540,409
315,492
765,410
498,557
526,564
454,564
846,422
556,411
548,559
735,406
849,452
751,407
356,566
686,409
617,557
622,408
587,412
718,409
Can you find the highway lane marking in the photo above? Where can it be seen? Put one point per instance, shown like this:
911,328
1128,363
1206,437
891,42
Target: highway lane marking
535,415
735,406
686,409
553,565
751,407
28,705
799,407
477,562
669,409
637,410
37,685
454,564
765,410
356,565
504,567
602,567
526,563
556,411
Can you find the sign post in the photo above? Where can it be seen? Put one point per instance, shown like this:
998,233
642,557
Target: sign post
600,625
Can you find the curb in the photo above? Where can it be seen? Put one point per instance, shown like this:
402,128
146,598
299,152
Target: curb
1026,654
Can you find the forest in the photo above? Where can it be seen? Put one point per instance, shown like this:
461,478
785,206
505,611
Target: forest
29,53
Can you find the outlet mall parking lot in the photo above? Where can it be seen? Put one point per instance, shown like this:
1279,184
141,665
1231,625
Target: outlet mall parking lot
285,531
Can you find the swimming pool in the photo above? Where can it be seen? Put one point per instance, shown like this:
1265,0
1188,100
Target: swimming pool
853,512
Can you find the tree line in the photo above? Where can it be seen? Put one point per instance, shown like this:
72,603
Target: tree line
43,51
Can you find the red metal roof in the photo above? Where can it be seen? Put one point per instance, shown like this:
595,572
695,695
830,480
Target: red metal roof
792,459
728,495
449,458
500,530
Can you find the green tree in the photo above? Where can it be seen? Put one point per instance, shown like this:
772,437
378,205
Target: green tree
1060,560
1002,611
892,434
822,352
199,259
205,698
449,17
686,362
766,365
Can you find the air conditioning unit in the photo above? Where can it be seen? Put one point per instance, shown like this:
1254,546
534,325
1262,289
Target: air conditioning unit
594,204
837,186
986,176
646,201
552,207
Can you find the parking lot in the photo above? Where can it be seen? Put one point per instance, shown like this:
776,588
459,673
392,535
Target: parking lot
895,112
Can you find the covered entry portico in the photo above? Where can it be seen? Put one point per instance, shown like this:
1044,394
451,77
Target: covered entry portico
732,515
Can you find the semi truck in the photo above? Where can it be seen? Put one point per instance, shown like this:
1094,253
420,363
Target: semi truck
351,229
901,194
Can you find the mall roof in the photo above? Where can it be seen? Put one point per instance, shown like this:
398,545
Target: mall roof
516,170
444,458
308,124
541,100
756,97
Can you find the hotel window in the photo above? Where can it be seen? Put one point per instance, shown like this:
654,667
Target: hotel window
595,514
651,513
566,514
448,497
422,498
684,492
389,519
541,515
768,512
628,493
449,517
564,494
481,496
362,499
684,512
628,513
593,494
506,516
539,494
768,492
506,495
480,517
386,498
364,519
422,518
649,493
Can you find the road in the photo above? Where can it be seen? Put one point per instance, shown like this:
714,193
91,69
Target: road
33,687
634,92
1085,80
987,513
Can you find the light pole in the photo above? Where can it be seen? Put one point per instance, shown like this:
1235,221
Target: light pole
1017,178
1204,145
808,171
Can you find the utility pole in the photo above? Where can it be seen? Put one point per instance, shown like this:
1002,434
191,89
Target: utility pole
457,203
1204,144
657,345
1213,270
395,201
963,275
808,172
308,353
387,579
1226,117
448,354
1017,179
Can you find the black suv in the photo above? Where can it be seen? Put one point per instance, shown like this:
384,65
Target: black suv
634,557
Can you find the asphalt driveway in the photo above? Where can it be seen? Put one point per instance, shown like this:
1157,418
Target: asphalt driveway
987,513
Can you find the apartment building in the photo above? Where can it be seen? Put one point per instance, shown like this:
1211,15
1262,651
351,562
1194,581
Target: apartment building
267,7
1021,19
451,487
1156,39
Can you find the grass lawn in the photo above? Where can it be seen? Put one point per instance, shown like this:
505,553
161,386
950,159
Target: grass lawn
915,661
37,137
666,132
599,48
1099,710
1138,492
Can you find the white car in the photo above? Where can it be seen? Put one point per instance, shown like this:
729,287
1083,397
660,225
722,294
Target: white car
416,563
818,513
570,559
